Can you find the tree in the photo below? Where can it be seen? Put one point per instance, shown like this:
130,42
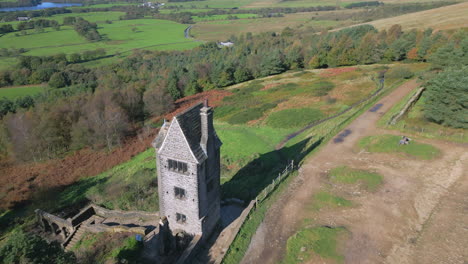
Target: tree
6,106
29,248
447,98
57,80
75,58
242,74
157,100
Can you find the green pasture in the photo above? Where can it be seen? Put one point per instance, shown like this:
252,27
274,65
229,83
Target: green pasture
324,199
314,241
222,17
369,180
91,17
389,144
20,91
119,37
211,4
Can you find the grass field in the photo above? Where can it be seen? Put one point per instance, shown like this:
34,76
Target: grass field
223,29
314,243
414,122
325,199
20,91
369,180
222,17
448,17
119,37
389,144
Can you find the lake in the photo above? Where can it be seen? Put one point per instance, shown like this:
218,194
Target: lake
44,5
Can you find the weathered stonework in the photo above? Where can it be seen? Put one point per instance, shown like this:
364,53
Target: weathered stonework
190,139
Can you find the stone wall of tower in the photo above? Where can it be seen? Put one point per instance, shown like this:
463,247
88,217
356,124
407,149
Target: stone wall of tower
175,147
200,205
172,205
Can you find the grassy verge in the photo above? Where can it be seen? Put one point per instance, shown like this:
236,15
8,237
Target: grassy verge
344,174
389,144
306,243
414,122
20,91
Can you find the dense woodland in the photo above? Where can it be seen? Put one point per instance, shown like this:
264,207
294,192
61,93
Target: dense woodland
100,107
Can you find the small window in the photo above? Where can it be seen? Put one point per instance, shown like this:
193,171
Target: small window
210,185
177,166
179,193
181,218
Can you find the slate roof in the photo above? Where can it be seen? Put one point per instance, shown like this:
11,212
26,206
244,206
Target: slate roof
190,123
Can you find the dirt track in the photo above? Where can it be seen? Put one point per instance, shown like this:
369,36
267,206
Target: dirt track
400,223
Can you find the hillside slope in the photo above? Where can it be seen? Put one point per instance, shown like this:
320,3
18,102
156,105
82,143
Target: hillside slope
447,17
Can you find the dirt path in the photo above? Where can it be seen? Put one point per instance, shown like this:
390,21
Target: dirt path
383,222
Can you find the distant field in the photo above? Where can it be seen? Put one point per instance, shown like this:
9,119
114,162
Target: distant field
222,17
307,3
119,37
221,30
212,3
92,17
19,91
448,17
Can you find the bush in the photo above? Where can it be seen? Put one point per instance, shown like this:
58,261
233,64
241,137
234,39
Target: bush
29,248
400,72
294,117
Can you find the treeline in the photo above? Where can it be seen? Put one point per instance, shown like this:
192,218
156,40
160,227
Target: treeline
4,52
100,107
11,16
38,23
363,4
6,29
86,29
178,1
37,70
20,3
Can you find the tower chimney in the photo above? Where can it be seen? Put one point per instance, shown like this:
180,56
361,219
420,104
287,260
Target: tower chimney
206,114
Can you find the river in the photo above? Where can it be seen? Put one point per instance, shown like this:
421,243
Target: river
43,5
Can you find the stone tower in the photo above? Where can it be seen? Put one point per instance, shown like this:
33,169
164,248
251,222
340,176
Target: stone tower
188,162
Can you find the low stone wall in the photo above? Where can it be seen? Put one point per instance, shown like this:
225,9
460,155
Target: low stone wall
407,106
123,214
97,228
235,229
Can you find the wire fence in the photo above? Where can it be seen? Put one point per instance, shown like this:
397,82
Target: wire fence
281,176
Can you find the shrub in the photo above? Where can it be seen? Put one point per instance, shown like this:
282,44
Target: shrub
29,248
400,72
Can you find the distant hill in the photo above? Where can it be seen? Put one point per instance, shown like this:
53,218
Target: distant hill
447,17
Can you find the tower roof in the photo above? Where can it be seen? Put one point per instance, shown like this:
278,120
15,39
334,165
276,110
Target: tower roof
190,123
